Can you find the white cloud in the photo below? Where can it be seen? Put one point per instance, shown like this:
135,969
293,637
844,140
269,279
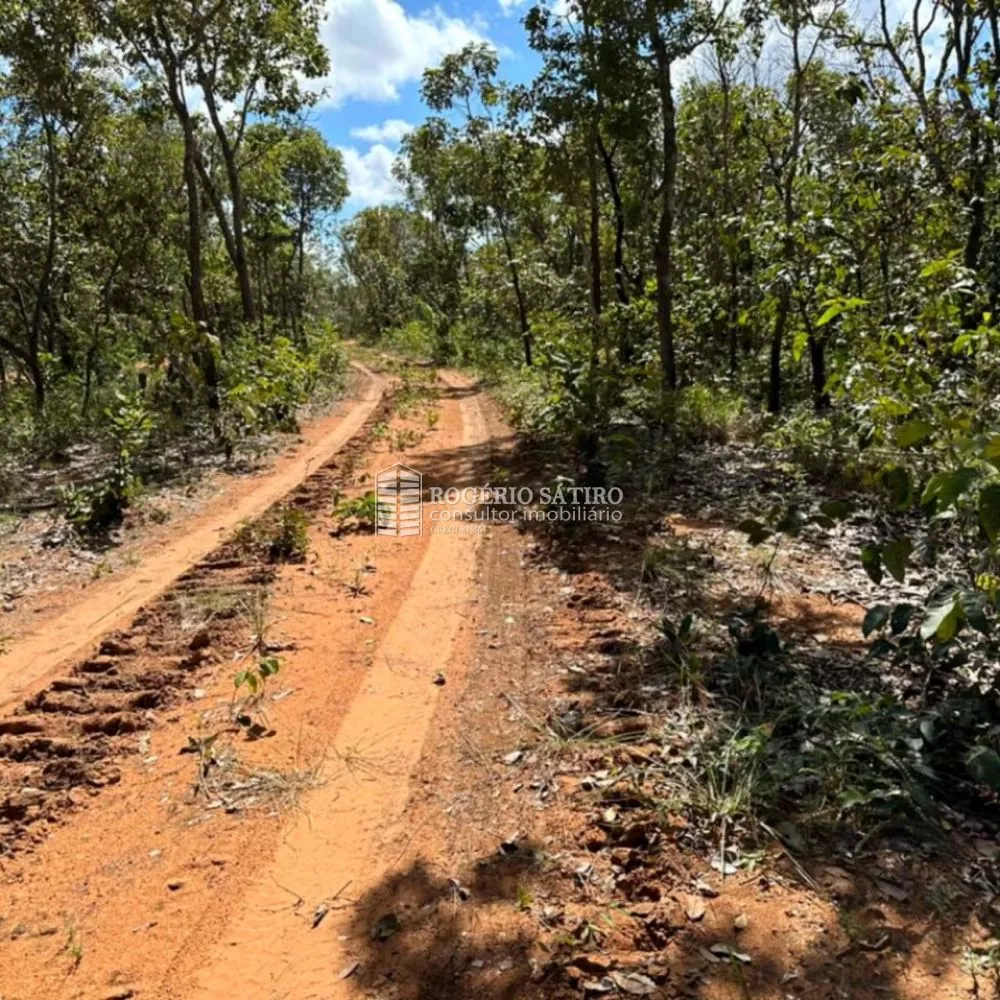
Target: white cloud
391,130
369,175
560,8
375,46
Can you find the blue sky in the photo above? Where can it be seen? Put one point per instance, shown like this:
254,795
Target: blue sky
378,51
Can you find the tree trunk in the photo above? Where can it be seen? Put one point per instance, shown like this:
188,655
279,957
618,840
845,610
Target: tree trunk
522,308
229,151
621,289
817,358
44,289
777,340
196,281
663,248
595,227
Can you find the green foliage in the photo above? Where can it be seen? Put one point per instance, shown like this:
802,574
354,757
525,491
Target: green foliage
707,413
362,509
255,679
287,540
111,285
264,389
95,507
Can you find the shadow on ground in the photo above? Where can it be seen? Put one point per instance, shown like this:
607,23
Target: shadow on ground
664,733
425,936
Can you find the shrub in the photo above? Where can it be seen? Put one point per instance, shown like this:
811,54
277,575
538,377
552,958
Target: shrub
363,509
288,540
97,506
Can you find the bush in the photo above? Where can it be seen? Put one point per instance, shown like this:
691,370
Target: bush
97,506
416,340
707,413
329,359
263,386
288,540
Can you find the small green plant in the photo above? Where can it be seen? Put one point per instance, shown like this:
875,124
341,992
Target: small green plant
405,438
655,562
782,524
101,569
432,417
363,510
289,538
250,683
416,389
73,946
679,654
254,679
245,535
159,515
205,749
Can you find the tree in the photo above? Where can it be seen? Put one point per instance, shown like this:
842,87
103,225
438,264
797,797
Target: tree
246,59
495,162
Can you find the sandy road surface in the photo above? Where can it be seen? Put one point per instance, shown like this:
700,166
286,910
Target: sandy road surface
149,890
346,839
30,661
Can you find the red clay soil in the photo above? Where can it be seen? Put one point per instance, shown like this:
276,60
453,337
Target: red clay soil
71,622
411,826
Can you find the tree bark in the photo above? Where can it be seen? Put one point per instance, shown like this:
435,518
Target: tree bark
196,280
239,253
663,247
522,307
595,227
621,289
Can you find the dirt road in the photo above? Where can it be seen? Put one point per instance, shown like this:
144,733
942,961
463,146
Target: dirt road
441,799
29,661
366,665
346,840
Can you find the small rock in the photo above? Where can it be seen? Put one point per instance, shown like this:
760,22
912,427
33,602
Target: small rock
592,963
741,921
987,848
705,889
722,950
633,983
175,885
892,891
116,647
440,680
